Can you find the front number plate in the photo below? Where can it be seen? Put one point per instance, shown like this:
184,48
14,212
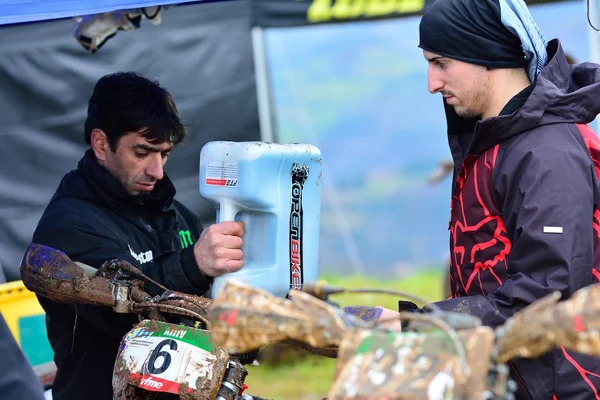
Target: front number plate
162,357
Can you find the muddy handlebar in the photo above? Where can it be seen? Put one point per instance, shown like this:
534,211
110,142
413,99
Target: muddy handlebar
306,318
117,284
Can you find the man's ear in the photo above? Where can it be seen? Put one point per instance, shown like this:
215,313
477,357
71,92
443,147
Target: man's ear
100,144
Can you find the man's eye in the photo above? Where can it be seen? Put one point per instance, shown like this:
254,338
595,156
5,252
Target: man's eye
165,155
140,155
441,64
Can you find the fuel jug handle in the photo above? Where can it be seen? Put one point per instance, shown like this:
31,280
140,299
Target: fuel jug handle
227,211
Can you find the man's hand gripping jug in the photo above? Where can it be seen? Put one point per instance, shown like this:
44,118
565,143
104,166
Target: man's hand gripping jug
275,189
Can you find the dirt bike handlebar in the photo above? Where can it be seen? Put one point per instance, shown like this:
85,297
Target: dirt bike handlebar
322,291
118,284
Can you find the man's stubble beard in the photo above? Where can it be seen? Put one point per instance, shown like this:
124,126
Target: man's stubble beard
472,112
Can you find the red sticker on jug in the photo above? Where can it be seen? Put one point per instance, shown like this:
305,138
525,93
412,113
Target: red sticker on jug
220,173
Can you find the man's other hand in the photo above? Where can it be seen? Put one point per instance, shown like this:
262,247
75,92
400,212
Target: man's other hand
390,319
219,249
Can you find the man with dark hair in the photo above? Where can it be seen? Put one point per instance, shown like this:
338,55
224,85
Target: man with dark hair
525,209
119,204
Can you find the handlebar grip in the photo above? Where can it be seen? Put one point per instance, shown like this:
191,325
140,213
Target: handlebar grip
51,273
320,290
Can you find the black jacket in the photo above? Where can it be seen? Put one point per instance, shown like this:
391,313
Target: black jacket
525,218
92,219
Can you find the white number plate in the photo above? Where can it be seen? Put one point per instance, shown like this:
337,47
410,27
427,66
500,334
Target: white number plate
163,359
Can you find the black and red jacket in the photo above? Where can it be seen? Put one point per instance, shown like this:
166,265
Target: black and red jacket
525,214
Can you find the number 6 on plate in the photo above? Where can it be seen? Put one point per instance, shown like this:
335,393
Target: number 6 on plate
164,356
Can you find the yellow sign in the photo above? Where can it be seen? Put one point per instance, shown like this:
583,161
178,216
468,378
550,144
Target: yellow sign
331,10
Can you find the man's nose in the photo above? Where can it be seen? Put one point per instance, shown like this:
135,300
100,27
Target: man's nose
155,167
434,83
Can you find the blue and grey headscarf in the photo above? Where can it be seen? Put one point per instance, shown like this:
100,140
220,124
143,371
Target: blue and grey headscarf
492,33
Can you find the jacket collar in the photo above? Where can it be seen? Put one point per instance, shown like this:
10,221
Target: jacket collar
107,189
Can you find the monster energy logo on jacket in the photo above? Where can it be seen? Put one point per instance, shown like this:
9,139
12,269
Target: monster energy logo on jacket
186,238
299,175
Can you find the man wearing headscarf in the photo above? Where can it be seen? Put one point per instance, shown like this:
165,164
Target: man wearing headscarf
525,199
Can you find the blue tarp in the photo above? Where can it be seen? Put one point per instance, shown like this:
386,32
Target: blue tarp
17,11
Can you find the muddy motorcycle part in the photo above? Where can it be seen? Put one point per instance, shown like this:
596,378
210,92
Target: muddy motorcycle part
410,365
117,284
549,323
52,274
161,357
244,318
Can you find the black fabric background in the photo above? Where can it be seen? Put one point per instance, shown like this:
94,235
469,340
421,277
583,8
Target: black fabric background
201,53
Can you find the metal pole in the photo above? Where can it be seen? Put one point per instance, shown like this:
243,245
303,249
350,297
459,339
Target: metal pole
306,124
594,38
261,74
